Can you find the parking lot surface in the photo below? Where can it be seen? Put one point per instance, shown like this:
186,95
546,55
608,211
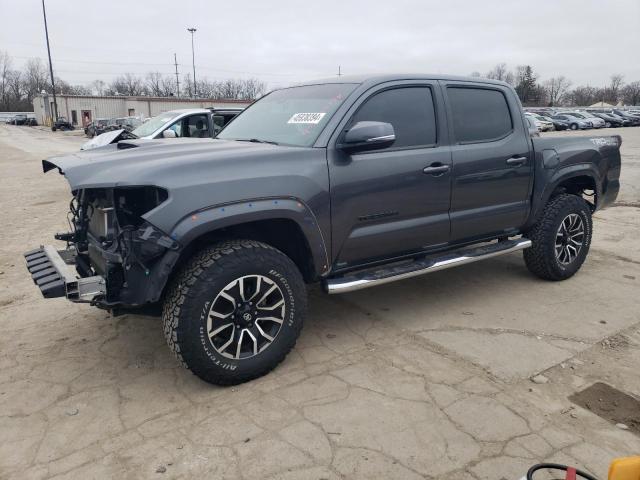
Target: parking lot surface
462,374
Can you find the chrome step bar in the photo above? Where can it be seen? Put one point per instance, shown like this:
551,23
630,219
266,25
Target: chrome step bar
373,277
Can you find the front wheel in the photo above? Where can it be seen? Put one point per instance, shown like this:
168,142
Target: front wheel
574,126
560,238
235,311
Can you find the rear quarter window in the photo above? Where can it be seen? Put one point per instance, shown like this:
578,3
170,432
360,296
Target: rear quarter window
479,114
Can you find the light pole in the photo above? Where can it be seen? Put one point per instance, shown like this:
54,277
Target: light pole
193,60
53,83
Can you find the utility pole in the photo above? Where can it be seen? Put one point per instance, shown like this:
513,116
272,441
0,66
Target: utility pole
339,71
53,83
193,60
175,61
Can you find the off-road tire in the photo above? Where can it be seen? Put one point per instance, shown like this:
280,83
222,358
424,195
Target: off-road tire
541,258
53,129
186,309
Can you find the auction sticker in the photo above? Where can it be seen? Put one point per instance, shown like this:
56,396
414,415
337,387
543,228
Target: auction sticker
312,118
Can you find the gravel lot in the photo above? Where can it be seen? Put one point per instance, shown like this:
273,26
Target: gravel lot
426,378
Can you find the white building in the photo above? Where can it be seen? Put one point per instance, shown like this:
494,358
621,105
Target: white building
82,109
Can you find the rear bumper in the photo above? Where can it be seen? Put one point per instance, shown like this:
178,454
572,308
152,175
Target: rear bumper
55,278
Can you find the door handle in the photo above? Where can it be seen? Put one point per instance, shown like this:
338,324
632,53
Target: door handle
516,161
436,169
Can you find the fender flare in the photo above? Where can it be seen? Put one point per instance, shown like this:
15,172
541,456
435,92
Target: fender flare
556,178
224,215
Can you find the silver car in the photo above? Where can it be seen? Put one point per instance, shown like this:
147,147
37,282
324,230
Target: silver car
192,122
595,121
575,123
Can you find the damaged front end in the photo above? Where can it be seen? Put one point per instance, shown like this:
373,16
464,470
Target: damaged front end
114,257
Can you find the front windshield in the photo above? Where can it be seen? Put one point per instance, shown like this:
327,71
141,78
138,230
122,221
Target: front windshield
291,116
153,124
577,115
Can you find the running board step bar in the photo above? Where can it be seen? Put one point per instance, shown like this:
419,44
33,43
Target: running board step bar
370,278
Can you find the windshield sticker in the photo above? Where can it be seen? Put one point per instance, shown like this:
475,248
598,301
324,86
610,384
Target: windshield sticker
312,118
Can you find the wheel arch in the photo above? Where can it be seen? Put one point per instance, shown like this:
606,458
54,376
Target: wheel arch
284,223
574,180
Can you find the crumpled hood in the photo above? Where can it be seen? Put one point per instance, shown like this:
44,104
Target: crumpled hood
159,162
105,139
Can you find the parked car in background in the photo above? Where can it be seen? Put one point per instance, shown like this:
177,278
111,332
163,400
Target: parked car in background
609,120
575,123
532,126
595,121
128,123
557,124
633,120
61,124
96,127
191,123
19,119
543,124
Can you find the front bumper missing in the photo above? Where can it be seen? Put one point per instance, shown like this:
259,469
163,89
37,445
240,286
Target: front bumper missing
56,279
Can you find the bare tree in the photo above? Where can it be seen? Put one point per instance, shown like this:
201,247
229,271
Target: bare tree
188,85
35,78
5,69
98,86
253,88
65,88
127,84
557,89
631,93
584,96
615,86
499,72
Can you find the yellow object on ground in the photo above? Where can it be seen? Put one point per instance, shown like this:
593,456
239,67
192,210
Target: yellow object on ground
625,469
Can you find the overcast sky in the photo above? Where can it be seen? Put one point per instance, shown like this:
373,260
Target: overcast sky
284,41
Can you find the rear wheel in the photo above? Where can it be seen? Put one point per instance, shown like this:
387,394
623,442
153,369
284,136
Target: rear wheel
560,239
235,311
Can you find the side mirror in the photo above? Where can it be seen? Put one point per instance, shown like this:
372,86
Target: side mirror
168,134
364,136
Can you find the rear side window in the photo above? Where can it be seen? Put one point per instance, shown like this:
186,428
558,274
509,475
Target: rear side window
479,114
409,109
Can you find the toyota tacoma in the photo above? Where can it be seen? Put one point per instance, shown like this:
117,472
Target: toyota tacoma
350,182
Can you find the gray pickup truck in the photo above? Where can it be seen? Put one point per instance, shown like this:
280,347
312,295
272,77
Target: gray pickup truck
350,182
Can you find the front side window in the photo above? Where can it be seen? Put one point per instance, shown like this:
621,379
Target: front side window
292,116
197,126
479,114
409,110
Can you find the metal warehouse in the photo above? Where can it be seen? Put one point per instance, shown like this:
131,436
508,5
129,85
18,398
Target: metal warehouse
82,109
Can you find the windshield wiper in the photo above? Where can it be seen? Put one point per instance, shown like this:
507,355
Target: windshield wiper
255,140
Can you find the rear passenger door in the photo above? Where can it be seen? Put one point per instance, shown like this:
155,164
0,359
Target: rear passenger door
395,200
492,161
